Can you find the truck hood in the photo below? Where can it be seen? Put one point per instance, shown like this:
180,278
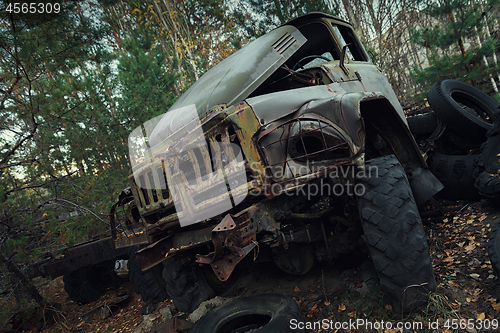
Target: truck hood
234,78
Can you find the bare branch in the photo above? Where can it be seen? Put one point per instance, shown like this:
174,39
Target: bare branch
81,207
18,144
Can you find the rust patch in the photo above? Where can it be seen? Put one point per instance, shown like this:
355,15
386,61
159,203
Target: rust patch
233,239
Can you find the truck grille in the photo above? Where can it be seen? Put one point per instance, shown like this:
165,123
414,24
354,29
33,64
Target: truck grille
205,175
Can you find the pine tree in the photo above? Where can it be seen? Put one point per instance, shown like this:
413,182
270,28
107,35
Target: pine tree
145,79
451,43
56,113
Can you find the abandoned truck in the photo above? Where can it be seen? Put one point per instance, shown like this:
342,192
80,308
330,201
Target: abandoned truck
293,149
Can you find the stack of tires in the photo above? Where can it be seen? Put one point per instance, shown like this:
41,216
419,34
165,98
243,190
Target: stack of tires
462,138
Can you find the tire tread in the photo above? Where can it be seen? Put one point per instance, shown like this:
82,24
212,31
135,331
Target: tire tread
395,235
148,283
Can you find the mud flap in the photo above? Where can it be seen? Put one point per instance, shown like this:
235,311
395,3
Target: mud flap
424,184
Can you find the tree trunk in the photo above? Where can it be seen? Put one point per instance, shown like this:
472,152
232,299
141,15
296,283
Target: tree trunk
25,280
350,14
186,47
461,46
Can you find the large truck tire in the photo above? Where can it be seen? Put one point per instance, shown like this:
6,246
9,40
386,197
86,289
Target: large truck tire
88,284
394,233
464,108
490,151
456,172
149,284
266,313
488,184
494,249
423,124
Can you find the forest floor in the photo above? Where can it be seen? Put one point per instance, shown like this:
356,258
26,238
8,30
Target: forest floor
467,297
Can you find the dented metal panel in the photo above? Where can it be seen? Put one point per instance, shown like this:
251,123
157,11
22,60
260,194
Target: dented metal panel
271,107
234,78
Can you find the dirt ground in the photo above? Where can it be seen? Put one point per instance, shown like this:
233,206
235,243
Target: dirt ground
340,292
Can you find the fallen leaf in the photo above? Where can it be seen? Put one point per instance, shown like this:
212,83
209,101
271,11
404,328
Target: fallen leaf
471,247
388,307
477,291
481,316
475,275
352,314
314,307
496,306
448,259
296,290
342,307
327,303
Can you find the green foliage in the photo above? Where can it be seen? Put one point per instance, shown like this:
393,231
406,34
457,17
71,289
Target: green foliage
145,81
4,314
212,31
18,244
60,127
459,66
374,55
69,98
450,43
